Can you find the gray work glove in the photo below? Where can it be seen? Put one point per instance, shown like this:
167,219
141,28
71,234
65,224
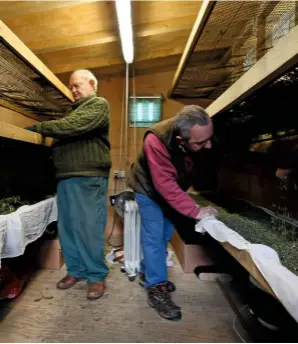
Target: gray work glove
207,211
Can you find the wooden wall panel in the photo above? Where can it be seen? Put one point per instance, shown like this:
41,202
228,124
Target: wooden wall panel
151,85
258,189
113,90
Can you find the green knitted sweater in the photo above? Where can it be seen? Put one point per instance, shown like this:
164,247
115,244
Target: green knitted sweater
81,146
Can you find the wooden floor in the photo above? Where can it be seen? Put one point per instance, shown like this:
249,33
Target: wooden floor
45,314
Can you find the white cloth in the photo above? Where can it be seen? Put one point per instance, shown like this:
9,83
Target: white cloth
281,280
3,230
25,225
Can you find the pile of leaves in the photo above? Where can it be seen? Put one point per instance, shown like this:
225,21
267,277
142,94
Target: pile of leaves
287,229
256,227
10,204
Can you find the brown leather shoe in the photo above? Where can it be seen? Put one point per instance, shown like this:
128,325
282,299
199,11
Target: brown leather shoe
68,282
95,290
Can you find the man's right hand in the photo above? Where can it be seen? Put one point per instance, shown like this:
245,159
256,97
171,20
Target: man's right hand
207,211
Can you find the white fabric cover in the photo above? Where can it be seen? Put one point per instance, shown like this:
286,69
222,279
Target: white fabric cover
282,281
25,225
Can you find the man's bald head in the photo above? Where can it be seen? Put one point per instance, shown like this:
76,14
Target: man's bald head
82,84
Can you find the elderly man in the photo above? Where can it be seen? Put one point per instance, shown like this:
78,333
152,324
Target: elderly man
81,155
160,178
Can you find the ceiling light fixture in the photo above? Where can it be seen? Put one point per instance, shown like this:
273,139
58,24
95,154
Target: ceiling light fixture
123,10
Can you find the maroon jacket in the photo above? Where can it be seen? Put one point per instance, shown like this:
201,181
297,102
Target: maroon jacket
164,176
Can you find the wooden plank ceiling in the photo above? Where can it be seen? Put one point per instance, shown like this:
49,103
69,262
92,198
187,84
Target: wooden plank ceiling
67,35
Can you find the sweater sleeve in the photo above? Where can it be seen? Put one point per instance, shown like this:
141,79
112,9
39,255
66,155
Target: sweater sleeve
86,118
164,178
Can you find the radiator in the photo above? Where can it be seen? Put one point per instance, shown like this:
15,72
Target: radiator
132,240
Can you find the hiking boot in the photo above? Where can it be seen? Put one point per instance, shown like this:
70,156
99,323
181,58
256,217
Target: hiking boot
170,285
160,299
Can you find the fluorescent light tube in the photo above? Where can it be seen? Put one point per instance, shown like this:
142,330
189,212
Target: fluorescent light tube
123,10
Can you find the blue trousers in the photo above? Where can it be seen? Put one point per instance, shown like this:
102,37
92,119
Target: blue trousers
82,215
156,231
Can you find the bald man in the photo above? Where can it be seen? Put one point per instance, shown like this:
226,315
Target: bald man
81,155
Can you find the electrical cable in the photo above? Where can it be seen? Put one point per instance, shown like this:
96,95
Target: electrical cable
124,128
114,222
116,186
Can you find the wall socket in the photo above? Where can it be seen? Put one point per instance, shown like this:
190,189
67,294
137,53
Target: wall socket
119,174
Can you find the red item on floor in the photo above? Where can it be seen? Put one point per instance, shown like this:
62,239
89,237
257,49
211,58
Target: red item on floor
12,284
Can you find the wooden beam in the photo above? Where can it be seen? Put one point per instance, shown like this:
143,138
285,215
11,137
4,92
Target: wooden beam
149,11
154,65
203,102
20,8
15,118
147,62
144,46
26,54
271,66
15,133
88,63
195,34
72,42
108,36
106,61
63,22
18,109
244,258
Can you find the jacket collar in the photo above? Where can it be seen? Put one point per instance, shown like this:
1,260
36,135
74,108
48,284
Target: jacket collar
78,103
